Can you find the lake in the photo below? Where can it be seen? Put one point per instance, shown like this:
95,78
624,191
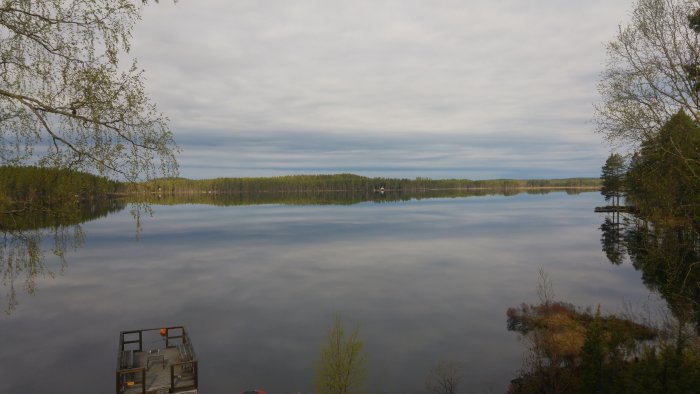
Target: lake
257,286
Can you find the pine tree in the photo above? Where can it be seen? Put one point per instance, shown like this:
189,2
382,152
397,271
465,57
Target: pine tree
613,176
593,357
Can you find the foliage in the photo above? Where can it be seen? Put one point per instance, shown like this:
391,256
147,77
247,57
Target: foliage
39,205
444,378
664,371
612,175
558,329
652,71
35,188
342,364
593,356
570,349
656,370
29,186
661,238
351,182
663,178
651,100
64,91
575,351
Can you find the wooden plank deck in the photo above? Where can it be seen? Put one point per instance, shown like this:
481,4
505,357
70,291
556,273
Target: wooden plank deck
155,360
158,372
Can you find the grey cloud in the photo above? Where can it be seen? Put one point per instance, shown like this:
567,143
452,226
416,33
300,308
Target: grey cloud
436,155
372,70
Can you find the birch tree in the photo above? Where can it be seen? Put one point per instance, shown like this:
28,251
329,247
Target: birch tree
653,71
342,364
67,101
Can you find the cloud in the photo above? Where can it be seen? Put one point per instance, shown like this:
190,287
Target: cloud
511,71
436,156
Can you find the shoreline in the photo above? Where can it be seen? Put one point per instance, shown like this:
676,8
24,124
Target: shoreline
373,191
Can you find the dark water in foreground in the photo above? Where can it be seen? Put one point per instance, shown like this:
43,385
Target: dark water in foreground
257,286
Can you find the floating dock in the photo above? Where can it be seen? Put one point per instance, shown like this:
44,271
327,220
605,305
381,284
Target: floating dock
615,208
156,361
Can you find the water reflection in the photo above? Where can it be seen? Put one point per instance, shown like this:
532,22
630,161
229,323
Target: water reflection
667,253
32,232
257,285
611,239
332,197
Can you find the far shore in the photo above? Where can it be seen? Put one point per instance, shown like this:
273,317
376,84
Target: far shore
494,188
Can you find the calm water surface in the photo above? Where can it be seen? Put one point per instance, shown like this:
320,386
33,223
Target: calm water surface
257,286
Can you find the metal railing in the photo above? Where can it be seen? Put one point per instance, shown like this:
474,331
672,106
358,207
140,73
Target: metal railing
183,372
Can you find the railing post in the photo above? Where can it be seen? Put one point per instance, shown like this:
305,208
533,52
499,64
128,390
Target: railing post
172,378
118,385
196,375
143,381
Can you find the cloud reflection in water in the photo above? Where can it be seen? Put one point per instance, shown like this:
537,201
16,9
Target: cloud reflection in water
257,286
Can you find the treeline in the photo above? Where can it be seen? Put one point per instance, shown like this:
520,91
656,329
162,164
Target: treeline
661,179
351,182
50,186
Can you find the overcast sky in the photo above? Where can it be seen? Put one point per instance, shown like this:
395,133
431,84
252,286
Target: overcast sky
442,88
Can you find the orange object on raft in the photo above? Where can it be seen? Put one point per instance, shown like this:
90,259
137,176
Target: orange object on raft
163,332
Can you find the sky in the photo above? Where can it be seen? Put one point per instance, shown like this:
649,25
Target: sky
471,89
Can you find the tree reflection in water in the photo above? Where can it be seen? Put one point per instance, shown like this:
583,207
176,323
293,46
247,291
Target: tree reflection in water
34,234
611,239
666,252
31,233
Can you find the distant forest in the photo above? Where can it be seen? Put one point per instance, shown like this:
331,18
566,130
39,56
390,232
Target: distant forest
46,186
53,186
352,183
33,197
